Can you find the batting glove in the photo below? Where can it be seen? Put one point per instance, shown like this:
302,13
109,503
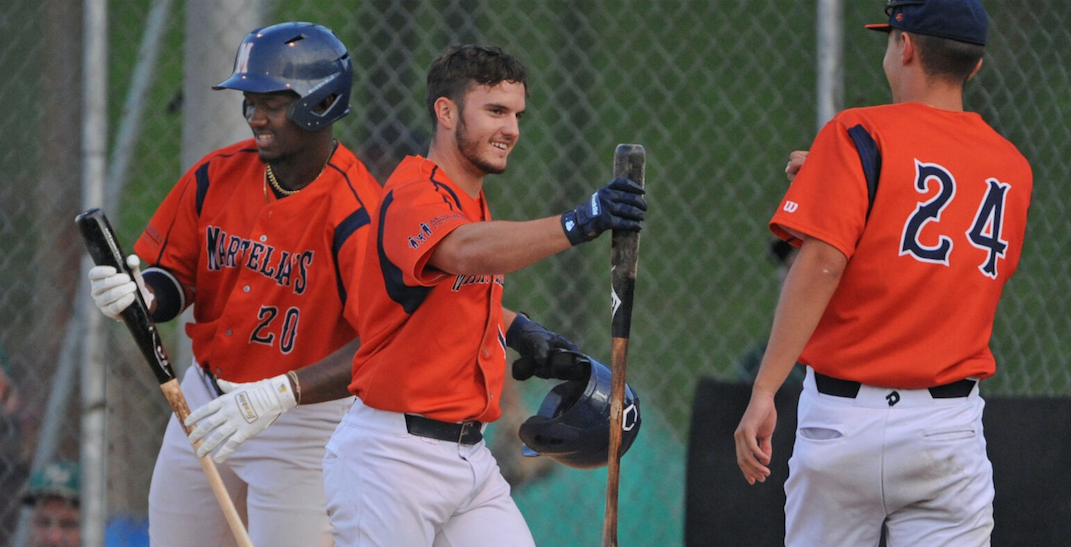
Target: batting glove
617,206
113,292
536,344
240,413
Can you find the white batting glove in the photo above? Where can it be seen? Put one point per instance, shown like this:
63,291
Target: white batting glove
243,411
113,292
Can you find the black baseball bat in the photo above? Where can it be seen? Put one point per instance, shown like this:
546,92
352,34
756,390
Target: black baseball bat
103,247
629,162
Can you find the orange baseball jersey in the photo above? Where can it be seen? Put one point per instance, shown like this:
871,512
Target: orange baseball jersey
269,276
927,261
432,343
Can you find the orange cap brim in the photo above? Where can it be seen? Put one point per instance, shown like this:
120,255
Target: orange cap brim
883,27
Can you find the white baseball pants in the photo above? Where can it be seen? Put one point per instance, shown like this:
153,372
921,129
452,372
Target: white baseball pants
275,479
919,465
388,488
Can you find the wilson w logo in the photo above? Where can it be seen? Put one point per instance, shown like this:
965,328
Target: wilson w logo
791,206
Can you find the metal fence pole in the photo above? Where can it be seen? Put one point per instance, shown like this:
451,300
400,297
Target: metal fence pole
830,59
94,150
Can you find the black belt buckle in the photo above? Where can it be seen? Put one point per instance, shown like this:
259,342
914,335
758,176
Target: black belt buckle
467,432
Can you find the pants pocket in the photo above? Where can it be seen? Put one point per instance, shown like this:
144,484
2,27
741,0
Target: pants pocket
819,433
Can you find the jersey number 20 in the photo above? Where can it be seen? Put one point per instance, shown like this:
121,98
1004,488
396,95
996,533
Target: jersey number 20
984,232
263,333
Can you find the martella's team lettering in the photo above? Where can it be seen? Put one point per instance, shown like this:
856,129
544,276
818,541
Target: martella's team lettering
228,251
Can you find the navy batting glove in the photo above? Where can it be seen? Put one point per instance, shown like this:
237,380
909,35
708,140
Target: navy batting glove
617,206
535,344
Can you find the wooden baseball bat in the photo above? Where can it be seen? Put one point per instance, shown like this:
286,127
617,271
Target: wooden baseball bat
103,247
629,162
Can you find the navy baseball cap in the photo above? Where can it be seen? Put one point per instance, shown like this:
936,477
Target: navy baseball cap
959,20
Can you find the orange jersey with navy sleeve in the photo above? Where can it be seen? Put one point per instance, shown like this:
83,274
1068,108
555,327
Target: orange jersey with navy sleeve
268,277
930,208
431,343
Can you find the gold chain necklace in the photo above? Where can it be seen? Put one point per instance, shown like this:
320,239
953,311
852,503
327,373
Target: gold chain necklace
278,187
275,182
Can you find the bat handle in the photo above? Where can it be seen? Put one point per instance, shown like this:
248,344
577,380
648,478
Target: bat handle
177,401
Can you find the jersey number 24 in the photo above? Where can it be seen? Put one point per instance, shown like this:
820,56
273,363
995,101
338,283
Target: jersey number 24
984,232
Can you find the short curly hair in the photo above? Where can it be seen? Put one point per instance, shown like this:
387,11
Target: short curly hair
461,66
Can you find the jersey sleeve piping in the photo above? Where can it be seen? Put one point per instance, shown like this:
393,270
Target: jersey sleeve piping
870,156
355,221
441,186
202,186
408,297
349,183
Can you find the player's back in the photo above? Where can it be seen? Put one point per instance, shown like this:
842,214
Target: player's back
915,304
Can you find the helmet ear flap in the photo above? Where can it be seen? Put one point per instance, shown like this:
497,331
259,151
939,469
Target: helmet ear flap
323,105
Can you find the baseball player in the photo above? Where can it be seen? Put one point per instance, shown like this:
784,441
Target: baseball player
910,219
408,464
263,237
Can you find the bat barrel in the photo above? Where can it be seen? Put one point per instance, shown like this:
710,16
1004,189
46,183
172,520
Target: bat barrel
103,247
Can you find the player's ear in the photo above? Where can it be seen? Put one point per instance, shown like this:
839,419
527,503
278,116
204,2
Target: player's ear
976,69
446,113
907,48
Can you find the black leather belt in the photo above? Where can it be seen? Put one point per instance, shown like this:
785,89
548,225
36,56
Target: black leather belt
829,385
462,433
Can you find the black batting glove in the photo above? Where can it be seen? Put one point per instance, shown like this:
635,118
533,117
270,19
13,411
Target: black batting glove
536,344
617,206
562,364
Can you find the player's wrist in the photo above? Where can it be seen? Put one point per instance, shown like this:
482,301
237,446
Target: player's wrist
284,391
572,229
516,330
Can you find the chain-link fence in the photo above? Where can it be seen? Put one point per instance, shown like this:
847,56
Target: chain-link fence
717,92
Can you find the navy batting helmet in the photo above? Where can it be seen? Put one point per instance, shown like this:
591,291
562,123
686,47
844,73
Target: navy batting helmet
572,426
301,57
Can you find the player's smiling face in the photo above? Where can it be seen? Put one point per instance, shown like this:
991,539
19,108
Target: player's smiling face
488,127
276,136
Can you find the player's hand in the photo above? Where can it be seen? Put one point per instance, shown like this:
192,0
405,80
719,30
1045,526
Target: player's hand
617,206
241,412
536,343
562,364
795,161
113,292
753,438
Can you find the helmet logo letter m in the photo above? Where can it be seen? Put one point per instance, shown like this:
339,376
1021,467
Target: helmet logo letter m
241,64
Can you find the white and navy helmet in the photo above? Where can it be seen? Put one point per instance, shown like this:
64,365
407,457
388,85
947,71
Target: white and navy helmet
305,58
572,425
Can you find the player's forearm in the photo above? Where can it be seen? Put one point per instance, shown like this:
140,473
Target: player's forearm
807,290
498,247
326,381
